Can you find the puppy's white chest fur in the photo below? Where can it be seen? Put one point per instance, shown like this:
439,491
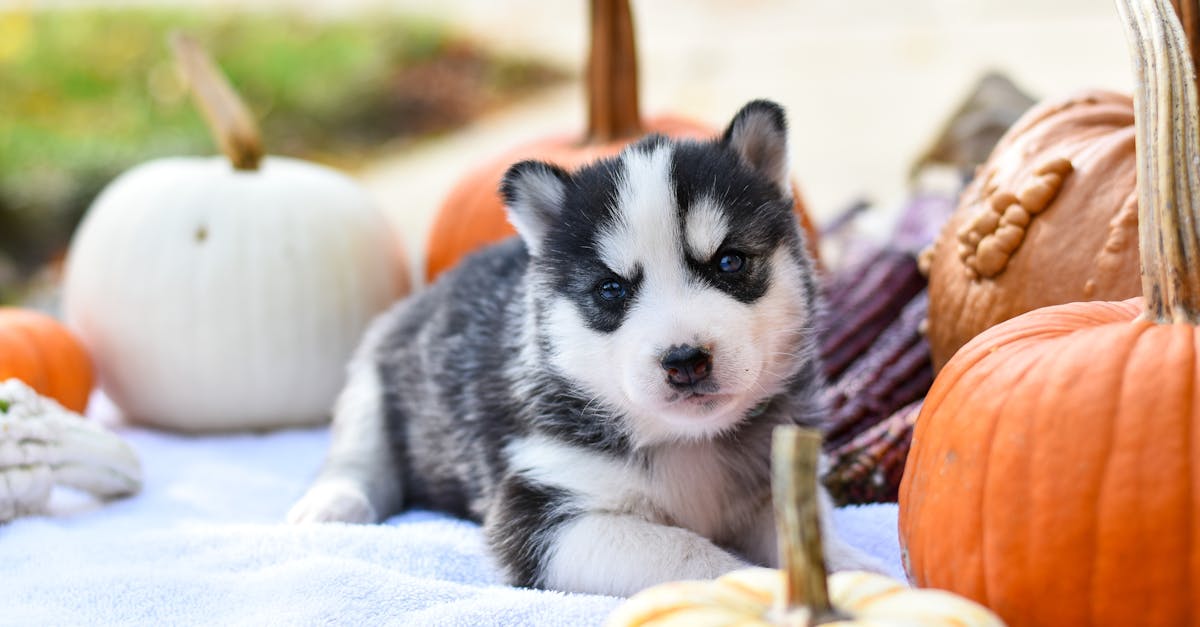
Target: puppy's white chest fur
688,485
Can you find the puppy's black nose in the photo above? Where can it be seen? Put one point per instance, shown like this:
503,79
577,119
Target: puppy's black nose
686,365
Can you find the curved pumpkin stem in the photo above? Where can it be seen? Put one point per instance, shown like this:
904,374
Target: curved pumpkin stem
228,118
1188,12
794,455
612,74
1168,161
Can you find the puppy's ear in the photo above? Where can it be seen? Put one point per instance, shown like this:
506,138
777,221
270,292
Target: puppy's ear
534,193
758,133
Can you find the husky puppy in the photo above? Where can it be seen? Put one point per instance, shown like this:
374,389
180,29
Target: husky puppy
600,392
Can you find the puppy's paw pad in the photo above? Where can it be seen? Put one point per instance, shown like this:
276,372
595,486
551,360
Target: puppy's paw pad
332,501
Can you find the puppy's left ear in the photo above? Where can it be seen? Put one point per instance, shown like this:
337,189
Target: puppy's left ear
758,133
534,193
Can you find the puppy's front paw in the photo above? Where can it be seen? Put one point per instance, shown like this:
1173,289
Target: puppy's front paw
703,560
840,556
336,500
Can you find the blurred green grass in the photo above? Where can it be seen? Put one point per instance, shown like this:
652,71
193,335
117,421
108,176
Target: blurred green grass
86,94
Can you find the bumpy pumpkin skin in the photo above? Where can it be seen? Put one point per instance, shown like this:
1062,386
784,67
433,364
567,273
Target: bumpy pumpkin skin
472,216
1068,167
43,353
1052,473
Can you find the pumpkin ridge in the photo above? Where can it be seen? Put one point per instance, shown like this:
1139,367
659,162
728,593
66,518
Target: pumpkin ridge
18,362
36,339
934,400
986,502
942,386
1188,573
1110,441
68,368
22,335
1104,474
757,595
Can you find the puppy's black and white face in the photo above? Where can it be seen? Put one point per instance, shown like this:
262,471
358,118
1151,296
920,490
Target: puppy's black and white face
672,282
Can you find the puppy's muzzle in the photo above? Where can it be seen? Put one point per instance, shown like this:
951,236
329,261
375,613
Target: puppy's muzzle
686,365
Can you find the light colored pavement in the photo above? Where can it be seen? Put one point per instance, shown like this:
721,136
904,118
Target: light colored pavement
866,82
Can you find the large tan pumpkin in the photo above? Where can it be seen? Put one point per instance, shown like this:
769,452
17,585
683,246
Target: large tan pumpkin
1053,473
472,215
1051,218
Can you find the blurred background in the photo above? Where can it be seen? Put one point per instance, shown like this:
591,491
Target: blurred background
407,95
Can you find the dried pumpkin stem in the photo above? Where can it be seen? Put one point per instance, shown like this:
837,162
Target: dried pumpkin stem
1168,161
612,74
1188,12
228,118
794,455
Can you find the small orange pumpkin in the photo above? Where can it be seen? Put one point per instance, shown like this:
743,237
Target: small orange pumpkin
1051,218
472,215
40,351
1053,470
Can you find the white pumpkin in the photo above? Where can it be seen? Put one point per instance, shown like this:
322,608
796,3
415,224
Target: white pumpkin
214,298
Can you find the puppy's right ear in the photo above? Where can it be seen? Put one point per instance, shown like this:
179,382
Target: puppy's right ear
534,193
758,133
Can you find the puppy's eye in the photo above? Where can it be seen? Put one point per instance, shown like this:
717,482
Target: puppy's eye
611,290
731,262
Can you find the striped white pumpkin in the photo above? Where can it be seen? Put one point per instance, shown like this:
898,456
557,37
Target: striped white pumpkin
214,299
748,598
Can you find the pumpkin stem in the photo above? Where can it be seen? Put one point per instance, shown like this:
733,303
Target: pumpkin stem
612,74
228,118
794,455
1188,12
1168,163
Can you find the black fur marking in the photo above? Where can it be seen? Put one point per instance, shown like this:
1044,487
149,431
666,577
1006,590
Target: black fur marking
519,528
579,421
569,257
759,217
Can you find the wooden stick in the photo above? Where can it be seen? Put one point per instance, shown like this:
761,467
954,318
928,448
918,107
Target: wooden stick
230,121
1168,161
794,456
612,74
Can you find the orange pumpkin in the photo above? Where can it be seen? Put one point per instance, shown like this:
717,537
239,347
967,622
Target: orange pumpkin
1051,218
472,215
1052,475
40,351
